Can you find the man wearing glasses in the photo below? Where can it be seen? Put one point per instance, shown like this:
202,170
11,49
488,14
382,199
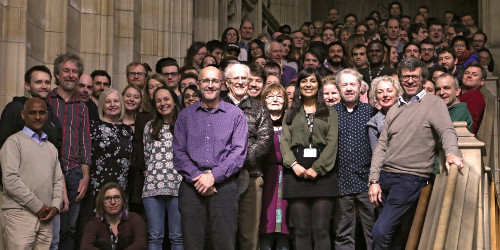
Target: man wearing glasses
404,158
136,75
170,69
210,146
428,54
260,138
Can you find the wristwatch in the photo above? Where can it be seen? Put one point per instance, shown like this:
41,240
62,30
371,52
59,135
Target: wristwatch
373,182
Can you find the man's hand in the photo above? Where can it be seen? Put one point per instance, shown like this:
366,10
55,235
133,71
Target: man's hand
375,194
299,170
203,182
453,159
65,204
84,182
50,215
310,174
42,212
212,190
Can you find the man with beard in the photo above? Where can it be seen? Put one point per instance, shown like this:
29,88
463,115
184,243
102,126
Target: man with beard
411,49
359,57
377,67
392,26
136,75
100,82
428,53
333,15
353,162
447,57
335,59
76,149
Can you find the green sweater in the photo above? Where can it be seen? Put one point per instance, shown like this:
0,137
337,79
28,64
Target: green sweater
31,174
324,133
459,112
410,135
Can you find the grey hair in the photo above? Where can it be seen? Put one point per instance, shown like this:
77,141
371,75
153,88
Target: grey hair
350,71
412,64
390,79
236,67
455,80
267,47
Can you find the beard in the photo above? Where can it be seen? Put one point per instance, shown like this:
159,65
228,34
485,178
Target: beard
335,63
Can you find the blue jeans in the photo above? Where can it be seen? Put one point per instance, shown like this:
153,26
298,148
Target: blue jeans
68,219
156,207
56,228
400,194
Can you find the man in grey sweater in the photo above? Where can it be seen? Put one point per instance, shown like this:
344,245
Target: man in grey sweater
32,179
404,158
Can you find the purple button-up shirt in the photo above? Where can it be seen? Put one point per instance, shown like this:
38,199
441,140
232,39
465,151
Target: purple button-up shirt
213,140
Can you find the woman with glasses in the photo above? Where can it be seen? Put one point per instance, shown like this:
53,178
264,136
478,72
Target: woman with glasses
195,54
161,185
309,142
256,50
465,54
273,220
114,227
190,96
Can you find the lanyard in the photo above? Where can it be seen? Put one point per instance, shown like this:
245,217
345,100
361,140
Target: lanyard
370,72
310,124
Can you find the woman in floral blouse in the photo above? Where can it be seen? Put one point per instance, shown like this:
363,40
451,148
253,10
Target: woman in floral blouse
161,183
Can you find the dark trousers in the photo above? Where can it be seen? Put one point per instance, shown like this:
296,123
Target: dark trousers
347,209
217,213
68,219
400,193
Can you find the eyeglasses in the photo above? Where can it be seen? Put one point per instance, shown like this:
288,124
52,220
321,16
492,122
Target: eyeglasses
272,97
172,74
427,50
116,198
191,96
243,79
208,81
407,78
139,74
478,41
459,45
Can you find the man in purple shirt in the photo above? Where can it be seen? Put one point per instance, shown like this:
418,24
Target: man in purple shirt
210,145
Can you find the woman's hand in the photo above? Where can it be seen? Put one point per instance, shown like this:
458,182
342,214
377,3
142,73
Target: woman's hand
310,174
299,170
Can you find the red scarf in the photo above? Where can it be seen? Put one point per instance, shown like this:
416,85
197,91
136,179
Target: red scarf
463,58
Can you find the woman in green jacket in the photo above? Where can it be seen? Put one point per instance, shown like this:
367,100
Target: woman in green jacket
309,148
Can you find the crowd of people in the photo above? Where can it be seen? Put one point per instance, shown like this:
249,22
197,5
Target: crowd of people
280,141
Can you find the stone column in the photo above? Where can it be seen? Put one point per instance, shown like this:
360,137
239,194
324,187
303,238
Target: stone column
489,21
122,42
12,48
209,21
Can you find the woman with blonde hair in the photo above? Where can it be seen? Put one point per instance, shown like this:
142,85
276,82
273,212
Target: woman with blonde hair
385,91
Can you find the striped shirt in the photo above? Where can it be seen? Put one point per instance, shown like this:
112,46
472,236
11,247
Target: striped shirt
73,114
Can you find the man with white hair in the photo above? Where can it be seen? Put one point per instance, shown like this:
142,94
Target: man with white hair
260,138
274,51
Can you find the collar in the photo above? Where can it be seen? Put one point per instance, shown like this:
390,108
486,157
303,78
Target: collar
417,97
222,106
34,135
345,107
241,103
54,94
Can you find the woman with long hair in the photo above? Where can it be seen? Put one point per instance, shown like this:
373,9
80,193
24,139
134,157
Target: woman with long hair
190,96
114,227
161,185
273,219
309,144
195,54
256,48
132,99
230,35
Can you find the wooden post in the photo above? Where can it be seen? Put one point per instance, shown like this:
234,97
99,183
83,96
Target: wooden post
418,219
444,217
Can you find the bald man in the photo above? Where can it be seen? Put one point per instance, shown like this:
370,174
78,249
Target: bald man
33,184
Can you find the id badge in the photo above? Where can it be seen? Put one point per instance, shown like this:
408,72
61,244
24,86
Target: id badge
310,153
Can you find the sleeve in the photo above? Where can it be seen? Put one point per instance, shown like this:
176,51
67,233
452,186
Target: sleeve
182,162
327,159
264,140
237,153
57,187
373,137
379,153
10,160
140,234
11,115
89,236
285,144
146,139
85,143
440,120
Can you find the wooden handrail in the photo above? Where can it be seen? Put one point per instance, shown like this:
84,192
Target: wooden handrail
444,216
